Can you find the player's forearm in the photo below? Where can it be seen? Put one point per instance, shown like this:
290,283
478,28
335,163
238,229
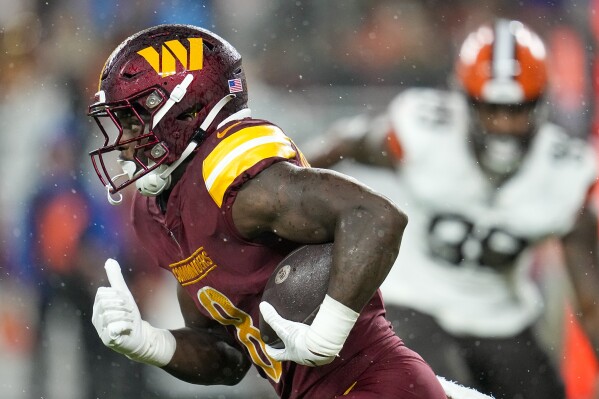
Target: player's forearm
202,358
367,242
344,140
587,303
325,152
586,291
581,251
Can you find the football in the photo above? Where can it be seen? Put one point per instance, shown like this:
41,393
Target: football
297,287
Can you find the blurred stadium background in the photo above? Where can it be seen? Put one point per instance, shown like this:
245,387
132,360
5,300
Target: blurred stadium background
308,63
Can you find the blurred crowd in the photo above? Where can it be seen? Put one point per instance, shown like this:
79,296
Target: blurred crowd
308,63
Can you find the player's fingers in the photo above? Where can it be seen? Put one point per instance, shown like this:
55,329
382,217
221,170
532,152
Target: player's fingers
277,354
98,308
270,314
114,304
117,329
110,295
282,327
116,316
115,277
105,305
106,302
105,292
102,318
97,318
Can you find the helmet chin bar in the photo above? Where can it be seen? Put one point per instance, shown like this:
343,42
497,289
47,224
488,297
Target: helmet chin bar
159,179
150,185
128,168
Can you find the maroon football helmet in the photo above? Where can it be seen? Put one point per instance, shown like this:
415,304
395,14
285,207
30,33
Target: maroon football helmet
158,88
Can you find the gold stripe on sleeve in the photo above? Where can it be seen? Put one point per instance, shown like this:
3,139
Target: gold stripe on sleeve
239,152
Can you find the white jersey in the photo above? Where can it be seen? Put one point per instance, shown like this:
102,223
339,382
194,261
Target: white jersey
465,253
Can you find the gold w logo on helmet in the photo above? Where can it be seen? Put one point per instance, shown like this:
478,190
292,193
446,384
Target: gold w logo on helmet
164,63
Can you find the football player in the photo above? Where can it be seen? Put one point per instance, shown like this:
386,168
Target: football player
221,199
485,178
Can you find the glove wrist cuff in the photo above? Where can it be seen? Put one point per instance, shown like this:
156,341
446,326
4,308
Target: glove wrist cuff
157,346
330,327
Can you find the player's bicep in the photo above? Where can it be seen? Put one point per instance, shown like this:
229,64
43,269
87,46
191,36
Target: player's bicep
272,196
299,204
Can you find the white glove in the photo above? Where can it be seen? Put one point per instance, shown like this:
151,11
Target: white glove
314,345
453,390
118,323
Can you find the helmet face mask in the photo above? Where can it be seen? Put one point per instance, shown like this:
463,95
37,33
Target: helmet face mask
155,91
502,134
125,126
503,73
518,120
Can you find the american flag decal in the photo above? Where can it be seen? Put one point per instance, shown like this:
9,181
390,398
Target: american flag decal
235,86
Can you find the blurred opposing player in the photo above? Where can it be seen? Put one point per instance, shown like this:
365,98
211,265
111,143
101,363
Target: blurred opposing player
222,198
484,178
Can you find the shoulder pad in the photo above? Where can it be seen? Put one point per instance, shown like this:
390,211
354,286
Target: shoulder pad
240,151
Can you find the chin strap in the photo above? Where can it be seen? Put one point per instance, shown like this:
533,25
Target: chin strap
196,138
176,95
128,168
111,199
159,179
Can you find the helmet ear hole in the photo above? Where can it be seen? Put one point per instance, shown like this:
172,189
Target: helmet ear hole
190,113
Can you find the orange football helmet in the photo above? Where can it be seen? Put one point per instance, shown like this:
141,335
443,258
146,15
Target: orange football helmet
503,64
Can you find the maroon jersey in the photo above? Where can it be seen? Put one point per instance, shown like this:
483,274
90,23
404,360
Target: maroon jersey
196,240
